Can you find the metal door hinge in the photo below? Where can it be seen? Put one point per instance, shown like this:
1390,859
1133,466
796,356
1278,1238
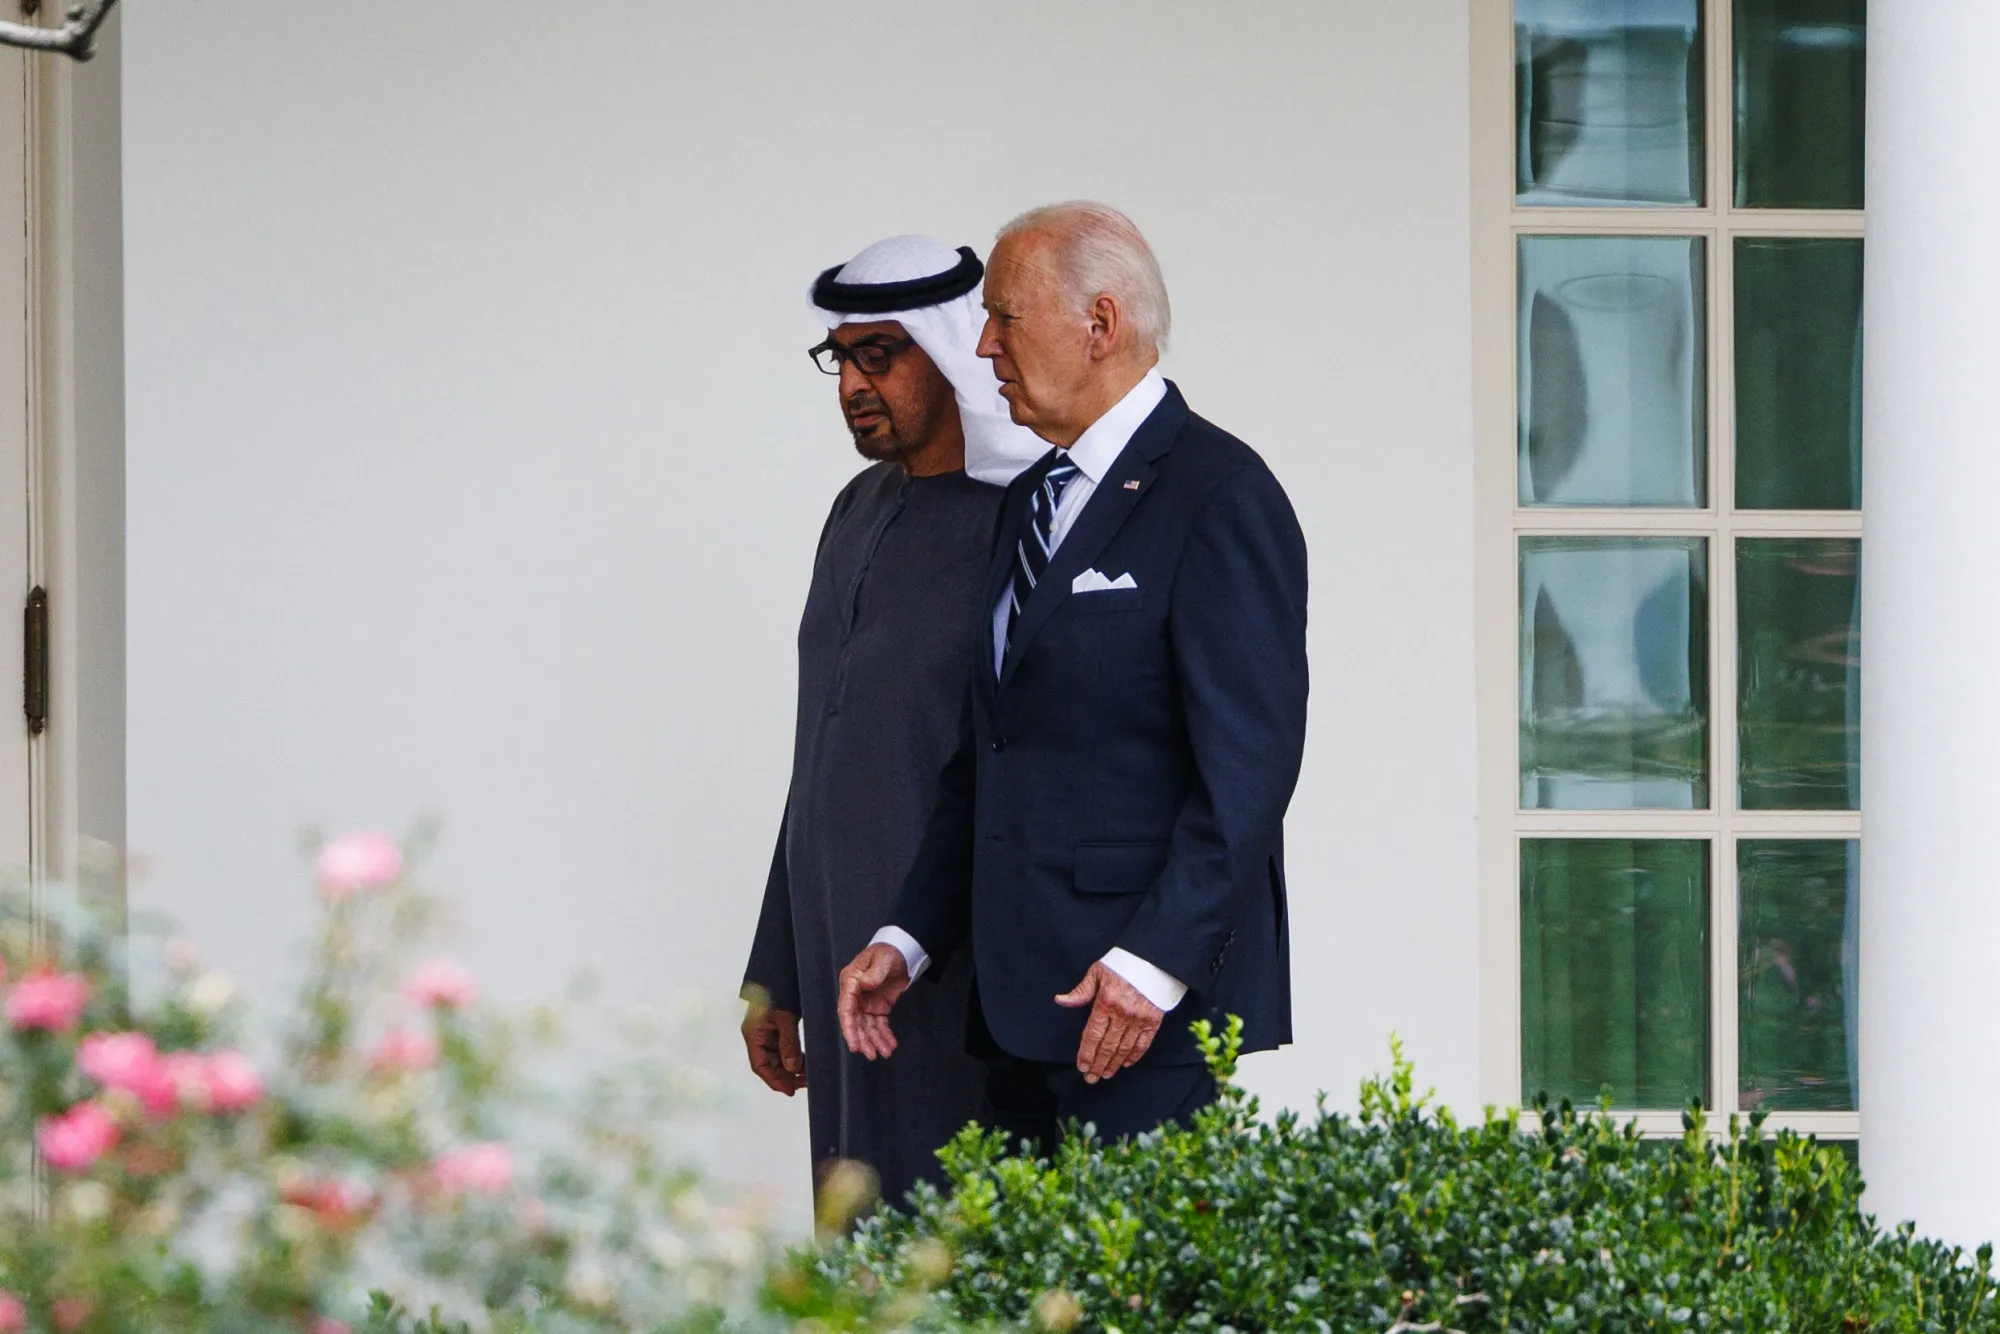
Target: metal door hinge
35,661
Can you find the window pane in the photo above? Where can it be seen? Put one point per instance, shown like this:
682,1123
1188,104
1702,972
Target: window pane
1796,952
1614,673
1798,373
1614,970
1613,371
1608,98
1799,82
1799,673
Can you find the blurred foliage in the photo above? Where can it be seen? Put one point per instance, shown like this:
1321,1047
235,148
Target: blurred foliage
389,1161
393,1135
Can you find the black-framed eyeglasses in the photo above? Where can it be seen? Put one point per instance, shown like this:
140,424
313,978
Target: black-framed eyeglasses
868,358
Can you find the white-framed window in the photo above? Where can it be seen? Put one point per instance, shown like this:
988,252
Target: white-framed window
1667,214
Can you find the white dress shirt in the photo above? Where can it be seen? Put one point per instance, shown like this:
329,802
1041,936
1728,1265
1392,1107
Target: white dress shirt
1093,453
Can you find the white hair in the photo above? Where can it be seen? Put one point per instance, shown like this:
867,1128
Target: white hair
1100,252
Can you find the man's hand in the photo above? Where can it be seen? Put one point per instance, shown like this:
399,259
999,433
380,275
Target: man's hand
869,987
772,1039
1121,1027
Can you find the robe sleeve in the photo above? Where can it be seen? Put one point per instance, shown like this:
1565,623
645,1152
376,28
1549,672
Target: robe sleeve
935,904
773,969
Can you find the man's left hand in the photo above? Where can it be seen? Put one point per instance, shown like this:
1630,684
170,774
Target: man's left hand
1121,1027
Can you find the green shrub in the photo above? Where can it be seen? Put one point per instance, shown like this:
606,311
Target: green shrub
1399,1220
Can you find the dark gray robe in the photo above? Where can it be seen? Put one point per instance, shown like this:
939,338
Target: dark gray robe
887,648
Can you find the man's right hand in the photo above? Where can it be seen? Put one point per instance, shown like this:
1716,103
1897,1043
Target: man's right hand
772,1038
870,986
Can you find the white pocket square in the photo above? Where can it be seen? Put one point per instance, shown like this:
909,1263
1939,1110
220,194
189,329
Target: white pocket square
1091,581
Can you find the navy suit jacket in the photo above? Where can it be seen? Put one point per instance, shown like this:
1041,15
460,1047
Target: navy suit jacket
1124,781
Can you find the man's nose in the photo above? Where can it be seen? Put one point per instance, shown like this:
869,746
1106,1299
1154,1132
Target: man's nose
852,381
989,338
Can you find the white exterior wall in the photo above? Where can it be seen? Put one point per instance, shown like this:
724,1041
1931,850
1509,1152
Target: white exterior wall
476,466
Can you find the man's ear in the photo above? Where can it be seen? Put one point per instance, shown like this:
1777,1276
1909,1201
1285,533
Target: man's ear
1107,322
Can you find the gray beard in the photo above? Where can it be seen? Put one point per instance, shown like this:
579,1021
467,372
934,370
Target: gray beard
882,449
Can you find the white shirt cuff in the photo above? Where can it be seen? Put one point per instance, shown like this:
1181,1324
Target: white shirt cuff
1155,984
913,954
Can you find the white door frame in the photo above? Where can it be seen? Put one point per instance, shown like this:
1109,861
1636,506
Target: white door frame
68,432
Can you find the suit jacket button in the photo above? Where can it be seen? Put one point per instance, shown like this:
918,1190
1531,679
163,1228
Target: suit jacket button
999,743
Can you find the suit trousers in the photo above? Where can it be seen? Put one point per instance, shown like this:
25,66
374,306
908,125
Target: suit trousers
1034,1101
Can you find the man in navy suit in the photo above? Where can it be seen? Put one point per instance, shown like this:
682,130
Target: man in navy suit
1108,840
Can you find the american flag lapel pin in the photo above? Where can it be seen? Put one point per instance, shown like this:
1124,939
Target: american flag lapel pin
1132,485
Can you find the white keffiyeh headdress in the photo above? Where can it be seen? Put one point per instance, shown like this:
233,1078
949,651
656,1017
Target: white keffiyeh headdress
932,291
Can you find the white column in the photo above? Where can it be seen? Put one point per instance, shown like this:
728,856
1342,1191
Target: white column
1930,885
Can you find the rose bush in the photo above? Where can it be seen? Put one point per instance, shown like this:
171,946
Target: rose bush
199,1174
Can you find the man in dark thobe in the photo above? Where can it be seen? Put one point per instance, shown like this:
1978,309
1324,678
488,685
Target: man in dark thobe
886,654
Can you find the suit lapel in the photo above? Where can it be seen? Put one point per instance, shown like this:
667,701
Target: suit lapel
1125,486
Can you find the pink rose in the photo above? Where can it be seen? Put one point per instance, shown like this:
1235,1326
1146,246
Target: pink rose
13,1314
126,1061
405,1049
359,861
532,1215
223,1082
486,1169
350,1198
79,1137
187,1071
440,983
336,1203
233,1083
129,1061
48,1000
70,1312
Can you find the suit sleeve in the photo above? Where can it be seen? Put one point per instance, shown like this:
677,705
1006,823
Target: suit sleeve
935,903
1237,625
774,958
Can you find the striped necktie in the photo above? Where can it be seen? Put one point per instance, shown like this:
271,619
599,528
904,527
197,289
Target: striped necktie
1037,542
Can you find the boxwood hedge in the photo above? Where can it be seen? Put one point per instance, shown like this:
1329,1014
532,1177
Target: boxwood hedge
1401,1219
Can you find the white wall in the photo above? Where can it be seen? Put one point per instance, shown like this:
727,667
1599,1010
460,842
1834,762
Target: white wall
475,465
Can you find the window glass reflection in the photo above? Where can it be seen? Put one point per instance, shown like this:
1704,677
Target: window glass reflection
1608,98
1614,673
1614,970
1801,68
1798,373
1613,371
1798,654
1797,949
